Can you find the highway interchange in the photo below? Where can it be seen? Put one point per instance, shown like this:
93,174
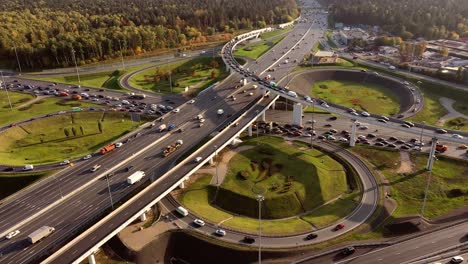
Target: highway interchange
93,199
88,201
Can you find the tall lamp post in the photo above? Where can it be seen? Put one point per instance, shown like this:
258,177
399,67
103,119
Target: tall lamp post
60,188
109,190
121,56
423,207
17,58
312,133
6,90
421,135
76,68
260,199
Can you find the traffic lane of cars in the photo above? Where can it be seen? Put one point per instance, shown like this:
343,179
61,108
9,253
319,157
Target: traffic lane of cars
68,182
191,135
119,100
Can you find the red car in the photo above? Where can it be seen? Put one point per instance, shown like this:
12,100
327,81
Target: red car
338,227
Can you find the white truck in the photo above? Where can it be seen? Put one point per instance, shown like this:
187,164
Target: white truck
161,128
135,177
220,111
40,233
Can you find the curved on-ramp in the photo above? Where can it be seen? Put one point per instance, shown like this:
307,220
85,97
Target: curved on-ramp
366,207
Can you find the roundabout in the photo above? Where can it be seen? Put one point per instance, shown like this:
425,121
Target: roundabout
348,207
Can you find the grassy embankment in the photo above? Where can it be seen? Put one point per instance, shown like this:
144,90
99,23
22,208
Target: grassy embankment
316,179
45,140
363,97
196,74
23,110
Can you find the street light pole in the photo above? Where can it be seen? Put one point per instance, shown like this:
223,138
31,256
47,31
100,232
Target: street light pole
76,68
420,136
425,196
17,58
110,193
121,56
260,198
60,188
216,165
170,80
313,132
6,90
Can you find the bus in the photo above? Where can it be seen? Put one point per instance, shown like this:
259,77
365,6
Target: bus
182,211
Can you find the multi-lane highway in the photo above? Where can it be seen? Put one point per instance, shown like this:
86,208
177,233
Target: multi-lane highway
78,208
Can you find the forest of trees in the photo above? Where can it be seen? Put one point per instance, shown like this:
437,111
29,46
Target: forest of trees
431,19
49,33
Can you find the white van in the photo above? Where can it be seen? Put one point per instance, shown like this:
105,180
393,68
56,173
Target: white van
28,167
182,211
292,93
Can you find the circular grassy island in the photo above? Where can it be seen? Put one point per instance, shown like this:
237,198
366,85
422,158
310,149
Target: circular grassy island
367,97
303,188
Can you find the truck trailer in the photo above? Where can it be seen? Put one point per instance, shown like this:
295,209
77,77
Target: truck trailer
135,177
107,148
40,233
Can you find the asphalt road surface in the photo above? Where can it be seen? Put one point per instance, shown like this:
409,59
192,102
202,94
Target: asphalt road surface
82,207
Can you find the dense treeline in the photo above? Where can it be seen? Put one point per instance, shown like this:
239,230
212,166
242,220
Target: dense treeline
431,19
48,33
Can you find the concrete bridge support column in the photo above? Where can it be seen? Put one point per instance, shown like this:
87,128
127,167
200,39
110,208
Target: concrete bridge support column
250,130
211,161
352,138
182,184
263,116
143,217
297,114
273,106
91,259
430,160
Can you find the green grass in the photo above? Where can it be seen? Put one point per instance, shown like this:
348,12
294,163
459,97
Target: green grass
197,199
458,123
195,73
16,99
108,79
41,107
408,189
314,178
341,64
330,42
44,141
332,212
275,33
431,112
256,50
369,97
11,183
432,109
